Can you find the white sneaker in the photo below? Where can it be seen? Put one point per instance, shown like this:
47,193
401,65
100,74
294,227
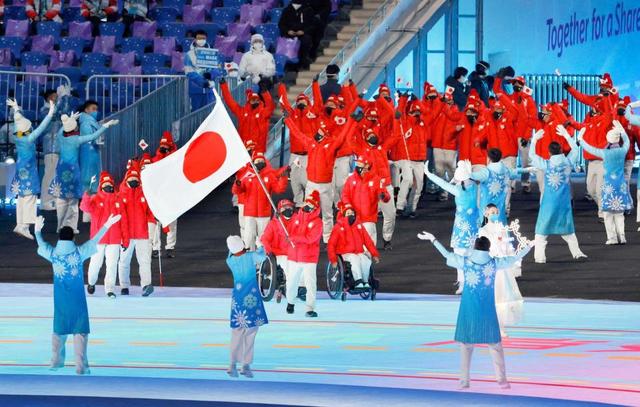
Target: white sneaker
464,384
246,372
504,385
366,285
623,240
459,290
232,371
580,256
541,261
611,242
23,231
359,285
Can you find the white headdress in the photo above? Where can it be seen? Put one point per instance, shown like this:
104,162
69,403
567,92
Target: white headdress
463,171
70,123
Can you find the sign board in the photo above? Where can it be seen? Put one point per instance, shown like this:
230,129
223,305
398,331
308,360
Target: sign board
208,58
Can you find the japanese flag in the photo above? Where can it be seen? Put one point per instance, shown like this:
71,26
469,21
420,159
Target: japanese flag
178,182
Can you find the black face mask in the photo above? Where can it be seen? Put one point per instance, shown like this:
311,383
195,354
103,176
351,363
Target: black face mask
108,189
517,88
591,113
360,170
328,110
432,97
387,98
605,92
472,119
255,105
318,137
301,106
373,140
287,213
541,115
351,219
260,166
164,150
497,115
620,112
308,209
133,184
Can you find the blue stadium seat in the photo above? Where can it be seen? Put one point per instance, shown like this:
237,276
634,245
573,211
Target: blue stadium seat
74,44
114,29
185,43
153,60
212,30
224,15
164,14
14,44
14,13
274,15
176,4
34,58
51,28
234,3
270,32
73,73
177,30
70,14
133,44
90,70
281,61
95,58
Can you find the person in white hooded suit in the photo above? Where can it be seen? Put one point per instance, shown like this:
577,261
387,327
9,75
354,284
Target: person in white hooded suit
257,62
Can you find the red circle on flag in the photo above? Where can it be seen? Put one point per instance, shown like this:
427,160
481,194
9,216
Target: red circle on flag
205,155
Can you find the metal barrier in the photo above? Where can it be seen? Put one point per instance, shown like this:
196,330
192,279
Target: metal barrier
183,128
147,119
115,92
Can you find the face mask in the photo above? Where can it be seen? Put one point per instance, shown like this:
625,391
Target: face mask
372,121
541,116
359,170
133,184
287,213
328,110
351,219
462,79
94,115
296,6
164,150
254,105
201,43
432,97
620,112
301,106
497,115
373,140
387,98
517,88
605,92
258,46
108,189
318,137
494,217
260,166
308,209
472,119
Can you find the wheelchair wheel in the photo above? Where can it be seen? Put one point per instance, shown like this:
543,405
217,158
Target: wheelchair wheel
335,280
268,278
371,292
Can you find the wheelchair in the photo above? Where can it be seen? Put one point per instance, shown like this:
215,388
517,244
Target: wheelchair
340,282
271,279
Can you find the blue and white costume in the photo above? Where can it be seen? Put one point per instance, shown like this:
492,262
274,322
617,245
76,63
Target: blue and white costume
615,196
71,316
495,186
200,91
555,216
247,308
51,149
90,162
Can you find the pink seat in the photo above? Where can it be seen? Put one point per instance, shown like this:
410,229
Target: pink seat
177,61
289,47
251,14
41,80
144,29
122,62
242,31
226,45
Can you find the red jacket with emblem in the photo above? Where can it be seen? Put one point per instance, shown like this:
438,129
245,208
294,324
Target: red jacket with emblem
542,147
101,206
363,193
305,230
274,238
347,238
527,110
137,211
306,120
256,202
473,141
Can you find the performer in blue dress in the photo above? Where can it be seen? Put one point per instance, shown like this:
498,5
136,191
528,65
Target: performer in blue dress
495,183
616,198
555,216
90,163
67,184
467,219
477,319
247,308
26,183
71,316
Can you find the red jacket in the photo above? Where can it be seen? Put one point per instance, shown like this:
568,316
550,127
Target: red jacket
501,135
52,8
347,238
542,147
414,140
322,155
444,134
253,124
101,206
109,7
634,136
307,120
527,110
473,141
137,211
603,104
256,202
596,133
378,154
274,239
363,193
305,230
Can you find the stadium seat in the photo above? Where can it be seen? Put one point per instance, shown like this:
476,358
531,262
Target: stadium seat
104,44
162,14
157,70
177,61
112,29
177,30
251,14
71,44
270,32
176,4
164,45
16,28
234,3
95,58
212,29
281,61
274,15
6,58
70,14
51,28
193,15
185,44
149,60
145,30
90,70
39,80
59,59
14,44
34,58
133,44
121,62
14,13
288,47
265,4
206,4
242,31
224,15
80,30
227,46
42,43
73,73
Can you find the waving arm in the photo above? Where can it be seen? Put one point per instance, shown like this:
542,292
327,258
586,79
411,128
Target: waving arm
450,188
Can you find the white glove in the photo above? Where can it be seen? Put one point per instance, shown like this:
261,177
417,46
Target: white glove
52,108
635,104
538,134
111,123
426,168
530,169
13,104
212,84
561,131
618,126
580,135
39,223
63,90
112,220
426,236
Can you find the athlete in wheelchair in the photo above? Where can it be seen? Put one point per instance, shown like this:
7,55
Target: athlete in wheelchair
350,268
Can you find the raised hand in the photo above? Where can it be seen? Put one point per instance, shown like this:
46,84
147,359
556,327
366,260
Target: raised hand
52,108
112,220
426,236
111,123
39,223
562,131
538,134
581,134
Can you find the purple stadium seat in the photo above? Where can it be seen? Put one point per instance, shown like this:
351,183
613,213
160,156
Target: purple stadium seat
71,44
266,4
164,45
206,4
144,29
251,14
42,43
17,28
177,61
19,2
224,15
193,15
288,47
133,70
6,57
122,62
41,80
80,30
242,31
60,59
75,3
238,57
104,45
226,45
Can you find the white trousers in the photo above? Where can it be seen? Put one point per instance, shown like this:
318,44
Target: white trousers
412,178
460,272
340,173
595,179
26,209
47,201
388,215
628,169
283,262
243,235
298,177
370,227
142,248
395,174
307,271
253,229
360,265
497,356
80,341
614,225
155,234
541,247
110,252
524,163
511,163
67,211
242,343
445,161
326,206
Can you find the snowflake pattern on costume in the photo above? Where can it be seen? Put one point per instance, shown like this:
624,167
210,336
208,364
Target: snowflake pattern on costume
488,270
495,187
471,278
23,173
15,187
250,301
259,322
555,178
240,318
66,176
55,189
607,189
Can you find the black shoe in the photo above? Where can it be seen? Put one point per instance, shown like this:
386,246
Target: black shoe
147,290
171,253
412,215
234,209
399,212
302,293
111,295
124,291
290,308
91,289
155,254
311,314
387,245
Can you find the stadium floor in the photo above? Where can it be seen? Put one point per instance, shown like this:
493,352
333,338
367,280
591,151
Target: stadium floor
398,349
610,272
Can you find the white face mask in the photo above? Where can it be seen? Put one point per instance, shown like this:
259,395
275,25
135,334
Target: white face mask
296,6
258,46
201,43
233,74
462,79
